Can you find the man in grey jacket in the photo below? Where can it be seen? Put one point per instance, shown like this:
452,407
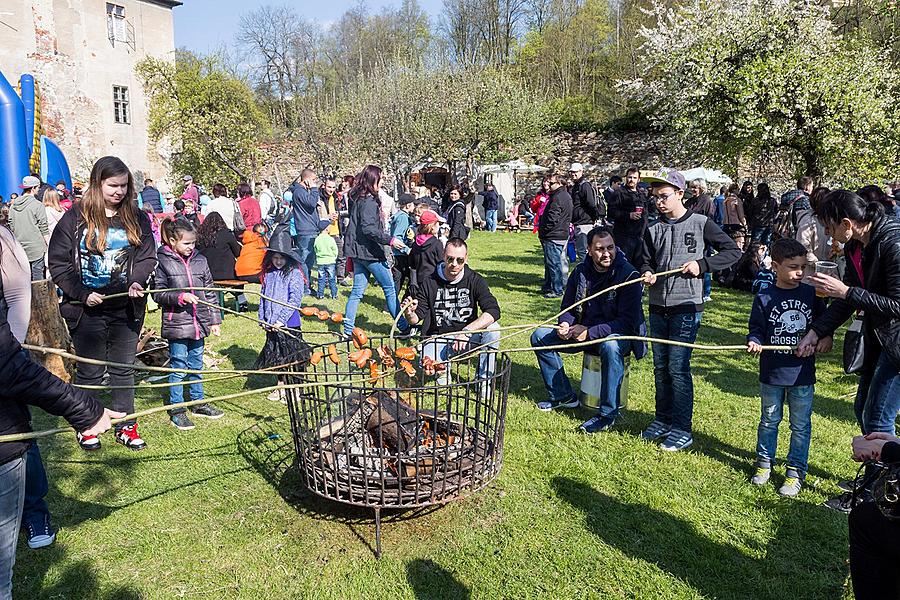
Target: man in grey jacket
28,221
679,240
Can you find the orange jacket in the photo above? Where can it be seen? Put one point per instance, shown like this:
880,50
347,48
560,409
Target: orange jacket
251,259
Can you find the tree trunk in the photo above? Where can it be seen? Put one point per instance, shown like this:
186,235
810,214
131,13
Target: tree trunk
47,329
812,168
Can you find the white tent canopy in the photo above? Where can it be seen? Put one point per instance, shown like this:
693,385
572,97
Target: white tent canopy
710,175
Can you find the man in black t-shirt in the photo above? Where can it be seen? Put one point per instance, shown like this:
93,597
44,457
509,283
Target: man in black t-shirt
447,304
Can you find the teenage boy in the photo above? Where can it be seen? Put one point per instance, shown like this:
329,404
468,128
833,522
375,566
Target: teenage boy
677,241
781,316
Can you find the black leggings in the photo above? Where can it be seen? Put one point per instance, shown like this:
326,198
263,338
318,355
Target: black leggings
112,336
874,554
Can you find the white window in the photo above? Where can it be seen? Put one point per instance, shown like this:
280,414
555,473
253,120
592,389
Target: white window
115,23
121,109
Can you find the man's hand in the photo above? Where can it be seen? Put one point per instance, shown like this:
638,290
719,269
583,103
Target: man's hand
189,298
103,423
216,330
754,348
409,307
828,285
563,331
634,215
94,299
691,268
825,344
397,244
649,278
807,346
462,340
136,290
579,333
869,447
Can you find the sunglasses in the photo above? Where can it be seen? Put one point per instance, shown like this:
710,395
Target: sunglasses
456,260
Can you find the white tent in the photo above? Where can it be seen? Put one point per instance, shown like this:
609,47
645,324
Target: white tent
710,175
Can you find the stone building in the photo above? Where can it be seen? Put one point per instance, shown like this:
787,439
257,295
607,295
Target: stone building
82,54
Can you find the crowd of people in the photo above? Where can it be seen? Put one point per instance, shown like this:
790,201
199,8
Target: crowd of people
105,248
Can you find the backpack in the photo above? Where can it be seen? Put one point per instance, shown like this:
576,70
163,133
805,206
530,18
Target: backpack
784,224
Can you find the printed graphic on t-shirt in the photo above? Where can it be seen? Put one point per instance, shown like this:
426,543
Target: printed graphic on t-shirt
789,320
110,268
453,306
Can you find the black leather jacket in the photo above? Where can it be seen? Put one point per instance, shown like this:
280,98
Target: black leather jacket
878,295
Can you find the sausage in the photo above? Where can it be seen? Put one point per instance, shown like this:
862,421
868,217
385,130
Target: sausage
407,366
359,337
353,356
309,311
333,355
316,357
386,359
337,317
323,315
374,372
407,353
364,356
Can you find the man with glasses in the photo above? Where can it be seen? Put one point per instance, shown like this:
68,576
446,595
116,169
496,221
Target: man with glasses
447,304
614,314
679,240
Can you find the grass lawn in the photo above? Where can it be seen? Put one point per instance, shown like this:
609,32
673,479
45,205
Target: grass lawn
218,511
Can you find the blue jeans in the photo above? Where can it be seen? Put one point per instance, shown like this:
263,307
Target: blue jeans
490,219
878,397
307,257
12,499
382,274
556,265
36,487
185,354
672,368
799,399
581,242
441,350
707,285
327,276
612,360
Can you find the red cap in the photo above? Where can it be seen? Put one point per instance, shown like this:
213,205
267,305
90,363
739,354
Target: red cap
429,216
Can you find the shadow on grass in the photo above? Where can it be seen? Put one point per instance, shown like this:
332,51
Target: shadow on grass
809,568
80,579
430,581
269,450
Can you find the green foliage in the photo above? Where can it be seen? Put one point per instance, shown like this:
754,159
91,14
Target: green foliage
578,113
209,118
729,78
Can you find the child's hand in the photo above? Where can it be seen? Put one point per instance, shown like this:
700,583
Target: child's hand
754,348
189,298
216,330
825,344
691,268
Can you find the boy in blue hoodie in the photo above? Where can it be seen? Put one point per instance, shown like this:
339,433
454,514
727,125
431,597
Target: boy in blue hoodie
614,314
781,316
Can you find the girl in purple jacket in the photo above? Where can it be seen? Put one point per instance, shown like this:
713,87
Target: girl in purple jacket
185,322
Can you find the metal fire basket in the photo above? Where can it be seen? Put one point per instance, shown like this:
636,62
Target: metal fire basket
408,440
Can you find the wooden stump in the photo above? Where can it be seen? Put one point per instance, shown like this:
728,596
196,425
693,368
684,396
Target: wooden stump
48,329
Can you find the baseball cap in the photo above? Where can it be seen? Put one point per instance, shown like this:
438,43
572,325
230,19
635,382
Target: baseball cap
29,181
405,199
576,167
429,216
668,176
187,178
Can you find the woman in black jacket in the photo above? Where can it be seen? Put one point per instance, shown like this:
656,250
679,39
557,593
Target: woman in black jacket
364,243
104,245
456,215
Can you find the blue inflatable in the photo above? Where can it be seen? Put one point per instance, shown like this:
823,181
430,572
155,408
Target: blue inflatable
54,167
27,91
14,151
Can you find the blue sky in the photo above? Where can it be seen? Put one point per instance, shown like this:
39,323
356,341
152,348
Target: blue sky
204,25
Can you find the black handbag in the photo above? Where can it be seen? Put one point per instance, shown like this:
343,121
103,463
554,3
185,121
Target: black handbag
854,346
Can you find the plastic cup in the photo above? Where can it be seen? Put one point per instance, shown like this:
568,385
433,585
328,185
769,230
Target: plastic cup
824,267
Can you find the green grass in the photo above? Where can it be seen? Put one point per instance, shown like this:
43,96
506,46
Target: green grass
218,511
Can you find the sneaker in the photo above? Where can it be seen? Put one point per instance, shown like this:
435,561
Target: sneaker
677,440
549,405
707,298
243,307
792,484
761,476
275,396
552,295
128,437
181,421
40,534
88,442
205,410
656,430
320,296
597,423
848,484
347,281
842,503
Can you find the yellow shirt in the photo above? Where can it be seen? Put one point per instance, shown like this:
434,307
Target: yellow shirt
333,228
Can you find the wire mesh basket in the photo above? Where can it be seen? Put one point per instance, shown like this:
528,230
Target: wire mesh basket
406,440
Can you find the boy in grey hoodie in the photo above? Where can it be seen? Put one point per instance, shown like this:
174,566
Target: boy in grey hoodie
678,240
28,222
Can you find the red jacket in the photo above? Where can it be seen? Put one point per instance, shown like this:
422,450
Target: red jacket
250,211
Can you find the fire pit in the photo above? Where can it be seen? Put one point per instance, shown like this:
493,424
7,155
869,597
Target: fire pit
408,440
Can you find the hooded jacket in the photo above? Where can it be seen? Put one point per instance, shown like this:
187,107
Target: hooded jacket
586,207
619,312
426,254
28,221
366,237
182,321
304,209
556,216
877,293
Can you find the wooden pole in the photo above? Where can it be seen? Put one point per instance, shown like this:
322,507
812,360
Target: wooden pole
48,329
